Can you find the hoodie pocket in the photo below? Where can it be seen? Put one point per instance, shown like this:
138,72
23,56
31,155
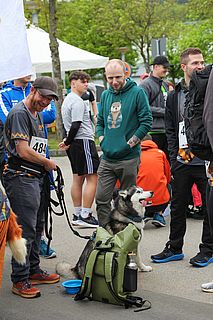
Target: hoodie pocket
115,147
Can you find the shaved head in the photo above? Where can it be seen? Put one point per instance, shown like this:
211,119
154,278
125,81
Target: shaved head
114,63
115,74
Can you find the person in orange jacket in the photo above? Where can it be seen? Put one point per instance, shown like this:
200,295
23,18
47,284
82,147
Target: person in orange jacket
154,174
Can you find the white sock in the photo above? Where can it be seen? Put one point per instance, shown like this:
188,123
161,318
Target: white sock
85,212
77,211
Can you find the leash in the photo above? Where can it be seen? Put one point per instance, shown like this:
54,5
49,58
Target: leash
58,185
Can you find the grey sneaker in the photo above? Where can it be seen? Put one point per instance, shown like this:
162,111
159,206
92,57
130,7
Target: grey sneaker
89,222
207,287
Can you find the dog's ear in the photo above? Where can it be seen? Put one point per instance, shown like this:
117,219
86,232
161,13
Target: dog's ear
131,190
123,193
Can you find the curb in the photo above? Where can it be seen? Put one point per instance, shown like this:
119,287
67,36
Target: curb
57,153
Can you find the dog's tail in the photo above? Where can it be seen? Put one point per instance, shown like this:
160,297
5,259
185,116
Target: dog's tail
16,243
65,270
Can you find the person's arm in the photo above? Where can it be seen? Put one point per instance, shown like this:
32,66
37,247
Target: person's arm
167,170
25,152
144,117
72,133
100,119
208,110
95,111
5,106
170,126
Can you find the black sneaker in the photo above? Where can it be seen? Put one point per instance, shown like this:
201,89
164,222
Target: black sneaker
196,213
201,260
89,222
167,255
75,220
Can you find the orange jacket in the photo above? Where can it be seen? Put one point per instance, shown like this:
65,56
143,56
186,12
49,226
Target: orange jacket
154,172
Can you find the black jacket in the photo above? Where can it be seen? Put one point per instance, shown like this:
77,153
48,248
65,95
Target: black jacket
174,109
152,87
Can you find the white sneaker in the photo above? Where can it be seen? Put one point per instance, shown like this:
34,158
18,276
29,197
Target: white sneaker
207,287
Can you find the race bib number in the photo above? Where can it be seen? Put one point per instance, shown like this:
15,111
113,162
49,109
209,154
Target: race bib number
182,136
39,145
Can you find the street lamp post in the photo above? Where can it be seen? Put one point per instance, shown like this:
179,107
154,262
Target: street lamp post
123,51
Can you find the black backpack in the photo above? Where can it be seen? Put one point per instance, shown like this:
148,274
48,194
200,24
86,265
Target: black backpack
196,134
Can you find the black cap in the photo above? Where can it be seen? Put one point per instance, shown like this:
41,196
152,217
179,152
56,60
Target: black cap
161,60
46,86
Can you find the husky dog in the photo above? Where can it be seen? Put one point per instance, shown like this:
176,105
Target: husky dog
128,208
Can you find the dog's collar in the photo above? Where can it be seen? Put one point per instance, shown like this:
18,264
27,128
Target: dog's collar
135,218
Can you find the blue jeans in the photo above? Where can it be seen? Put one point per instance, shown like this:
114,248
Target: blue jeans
25,194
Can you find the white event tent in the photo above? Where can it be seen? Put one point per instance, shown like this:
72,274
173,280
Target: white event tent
71,58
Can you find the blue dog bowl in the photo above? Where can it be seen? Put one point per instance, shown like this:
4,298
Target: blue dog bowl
72,286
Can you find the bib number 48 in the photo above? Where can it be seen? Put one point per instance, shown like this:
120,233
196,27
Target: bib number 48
39,145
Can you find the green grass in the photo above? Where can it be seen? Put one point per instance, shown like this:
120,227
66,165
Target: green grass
53,141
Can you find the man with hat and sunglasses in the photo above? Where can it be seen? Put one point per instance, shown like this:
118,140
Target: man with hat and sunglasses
157,89
23,179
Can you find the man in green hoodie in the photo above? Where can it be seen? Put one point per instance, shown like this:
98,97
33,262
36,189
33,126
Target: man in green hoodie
124,119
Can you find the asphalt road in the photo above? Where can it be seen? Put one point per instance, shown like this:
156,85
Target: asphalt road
173,288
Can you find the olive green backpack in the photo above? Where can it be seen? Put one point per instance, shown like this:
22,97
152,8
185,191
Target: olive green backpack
105,269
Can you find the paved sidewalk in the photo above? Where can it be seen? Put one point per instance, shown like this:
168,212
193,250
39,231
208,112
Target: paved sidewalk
173,288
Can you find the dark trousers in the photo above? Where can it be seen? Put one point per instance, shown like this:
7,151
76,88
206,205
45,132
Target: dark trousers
161,141
183,178
151,210
26,199
210,206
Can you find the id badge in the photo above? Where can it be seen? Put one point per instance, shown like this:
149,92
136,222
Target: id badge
39,145
182,136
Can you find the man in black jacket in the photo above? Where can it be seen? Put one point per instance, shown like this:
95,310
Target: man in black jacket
157,91
186,170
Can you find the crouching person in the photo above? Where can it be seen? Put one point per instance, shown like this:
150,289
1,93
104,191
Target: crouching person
154,174
24,181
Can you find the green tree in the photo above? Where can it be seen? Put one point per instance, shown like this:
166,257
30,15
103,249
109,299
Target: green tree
56,65
103,26
198,32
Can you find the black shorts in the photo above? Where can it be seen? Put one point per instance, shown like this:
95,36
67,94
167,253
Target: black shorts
83,156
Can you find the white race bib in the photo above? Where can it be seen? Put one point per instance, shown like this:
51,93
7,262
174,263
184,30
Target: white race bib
182,136
39,145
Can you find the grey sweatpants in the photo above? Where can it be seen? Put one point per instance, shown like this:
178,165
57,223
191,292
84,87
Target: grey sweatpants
108,173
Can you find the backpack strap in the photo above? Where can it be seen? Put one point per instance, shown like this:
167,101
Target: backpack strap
130,300
87,280
108,266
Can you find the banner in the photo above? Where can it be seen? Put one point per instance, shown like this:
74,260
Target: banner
15,59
